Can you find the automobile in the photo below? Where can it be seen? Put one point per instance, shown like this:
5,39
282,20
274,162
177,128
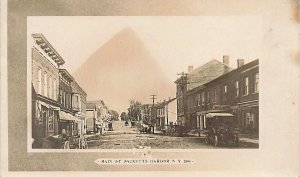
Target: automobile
221,130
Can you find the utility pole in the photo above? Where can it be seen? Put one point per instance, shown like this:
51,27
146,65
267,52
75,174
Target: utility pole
153,97
182,84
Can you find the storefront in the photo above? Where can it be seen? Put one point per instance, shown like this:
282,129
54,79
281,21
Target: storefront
68,124
249,118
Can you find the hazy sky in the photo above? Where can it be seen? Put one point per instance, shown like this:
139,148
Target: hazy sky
175,42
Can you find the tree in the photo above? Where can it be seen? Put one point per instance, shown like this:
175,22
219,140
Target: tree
134,109
114,115
124,116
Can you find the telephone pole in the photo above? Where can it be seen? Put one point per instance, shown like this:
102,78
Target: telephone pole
153,97
183,85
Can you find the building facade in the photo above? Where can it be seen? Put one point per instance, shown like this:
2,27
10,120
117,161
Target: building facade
165,114
45,85
79,105
68,123
235,92
192,80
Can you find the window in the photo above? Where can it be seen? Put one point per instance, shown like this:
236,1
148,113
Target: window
208,99
39,82
236,88
246,85
50,87
54,89
256,82
45,84
198,99
225,92
215,95
51,121
203,98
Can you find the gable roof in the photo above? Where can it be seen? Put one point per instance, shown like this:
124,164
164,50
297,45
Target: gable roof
207,72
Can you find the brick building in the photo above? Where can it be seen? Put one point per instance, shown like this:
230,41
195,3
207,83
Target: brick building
67,121
45,83
235,92
193,79
79,105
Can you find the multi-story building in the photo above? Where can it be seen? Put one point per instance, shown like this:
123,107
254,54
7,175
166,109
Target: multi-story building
235,92
146,115
193,79
91,115
165,115
68,122
79,105
45,82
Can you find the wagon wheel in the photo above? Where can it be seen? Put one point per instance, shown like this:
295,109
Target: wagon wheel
66,145
206,139
237,142
216,142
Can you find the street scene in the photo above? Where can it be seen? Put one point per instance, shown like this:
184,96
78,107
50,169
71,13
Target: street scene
129,93
126,137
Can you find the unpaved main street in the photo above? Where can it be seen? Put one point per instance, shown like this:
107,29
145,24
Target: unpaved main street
125,137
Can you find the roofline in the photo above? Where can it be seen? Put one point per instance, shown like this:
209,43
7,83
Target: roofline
44,40
67,73
79,87
235,70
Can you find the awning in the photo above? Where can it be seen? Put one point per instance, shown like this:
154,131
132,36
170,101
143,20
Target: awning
210,115
67,116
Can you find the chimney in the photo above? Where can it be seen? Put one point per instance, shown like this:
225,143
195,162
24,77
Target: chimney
240,62
226,59
190,68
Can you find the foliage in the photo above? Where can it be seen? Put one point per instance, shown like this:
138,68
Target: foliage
114,115
134,109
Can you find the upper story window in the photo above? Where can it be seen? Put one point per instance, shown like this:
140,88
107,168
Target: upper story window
198,99
225,92
203,98
45,84
237,88
39,81
246,85
256,82
215,95
208,98
54,89
50,87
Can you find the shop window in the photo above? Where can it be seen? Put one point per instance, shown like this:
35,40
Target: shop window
51,121
250,124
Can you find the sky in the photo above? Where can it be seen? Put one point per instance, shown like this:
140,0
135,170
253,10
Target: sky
175,42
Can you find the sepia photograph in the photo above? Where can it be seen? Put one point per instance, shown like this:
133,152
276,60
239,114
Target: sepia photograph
111,86
150,88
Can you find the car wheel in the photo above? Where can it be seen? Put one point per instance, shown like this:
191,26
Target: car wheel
216,141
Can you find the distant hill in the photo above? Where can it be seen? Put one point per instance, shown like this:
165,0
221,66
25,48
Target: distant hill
122,69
